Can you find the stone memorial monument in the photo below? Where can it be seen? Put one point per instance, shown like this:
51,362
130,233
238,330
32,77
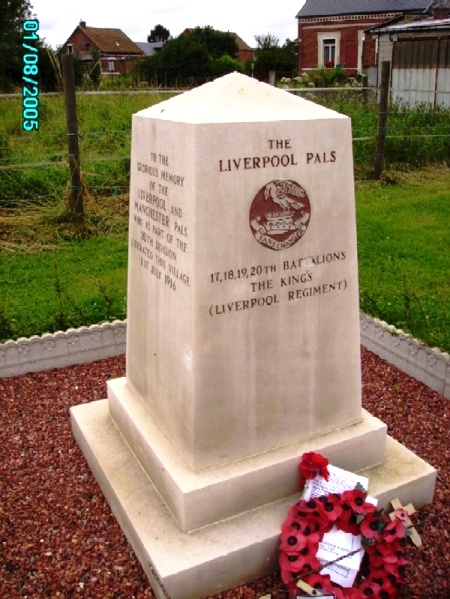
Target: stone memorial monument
243,347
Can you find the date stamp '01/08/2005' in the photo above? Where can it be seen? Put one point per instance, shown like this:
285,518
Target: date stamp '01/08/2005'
30,75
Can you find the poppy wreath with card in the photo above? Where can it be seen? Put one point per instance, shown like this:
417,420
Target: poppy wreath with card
308,521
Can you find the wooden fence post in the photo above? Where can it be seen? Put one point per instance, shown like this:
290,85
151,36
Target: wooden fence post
382,118
76,192
365,83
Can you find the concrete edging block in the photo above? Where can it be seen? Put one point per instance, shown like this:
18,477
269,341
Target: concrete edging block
63,348
429,365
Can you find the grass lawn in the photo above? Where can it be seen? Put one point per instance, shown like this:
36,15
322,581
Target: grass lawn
403,249
78,283
54,276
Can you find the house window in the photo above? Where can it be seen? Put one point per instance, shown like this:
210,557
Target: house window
329,52
70,48
87,46
328,46
111,65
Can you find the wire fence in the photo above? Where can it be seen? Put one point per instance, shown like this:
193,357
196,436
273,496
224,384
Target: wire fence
110,149
61,160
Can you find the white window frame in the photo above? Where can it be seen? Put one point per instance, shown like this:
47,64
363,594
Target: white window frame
361,39
321,37
111,63
69,48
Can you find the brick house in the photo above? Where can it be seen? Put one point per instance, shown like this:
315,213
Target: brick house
245,52
332,32
115,49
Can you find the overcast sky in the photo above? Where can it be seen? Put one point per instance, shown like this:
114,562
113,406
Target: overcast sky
136,18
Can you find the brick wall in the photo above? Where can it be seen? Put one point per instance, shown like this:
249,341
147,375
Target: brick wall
79,40
347,29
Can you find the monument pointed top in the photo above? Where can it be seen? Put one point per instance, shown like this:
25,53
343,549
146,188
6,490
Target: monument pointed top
237,98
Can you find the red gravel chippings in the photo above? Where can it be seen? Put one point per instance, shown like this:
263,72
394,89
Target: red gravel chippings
60,539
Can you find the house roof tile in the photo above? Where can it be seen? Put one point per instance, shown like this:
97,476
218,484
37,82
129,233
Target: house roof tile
422,25
149,48
111,40
240,42
328,8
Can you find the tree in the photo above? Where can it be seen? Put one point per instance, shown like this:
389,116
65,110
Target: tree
191,58
267,41
217,43
12,15
180,58
269,56
50,71
158,34
225,64
291,45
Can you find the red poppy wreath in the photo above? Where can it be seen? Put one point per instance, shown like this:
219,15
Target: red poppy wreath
308,521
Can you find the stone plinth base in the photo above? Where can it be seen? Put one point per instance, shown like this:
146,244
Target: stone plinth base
201,498
231,551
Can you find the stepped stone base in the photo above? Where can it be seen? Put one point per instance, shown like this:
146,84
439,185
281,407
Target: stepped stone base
234,550
200,498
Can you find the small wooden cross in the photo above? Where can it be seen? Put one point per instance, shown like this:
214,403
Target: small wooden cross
403,513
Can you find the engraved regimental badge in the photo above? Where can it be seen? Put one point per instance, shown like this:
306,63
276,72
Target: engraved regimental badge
279,214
